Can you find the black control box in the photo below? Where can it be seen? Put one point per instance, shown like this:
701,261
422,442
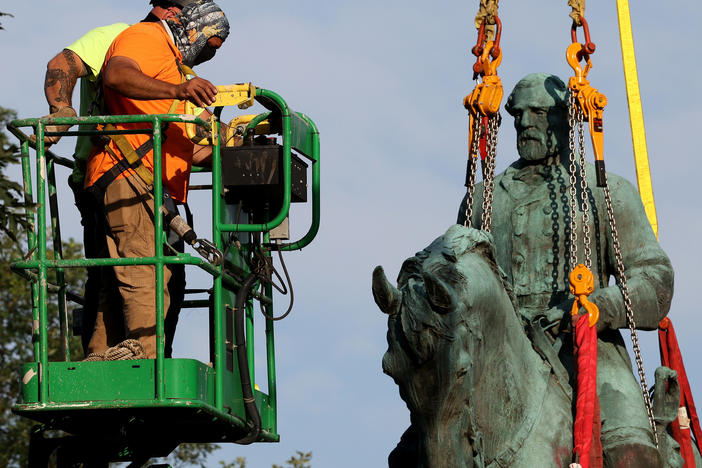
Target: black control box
253,174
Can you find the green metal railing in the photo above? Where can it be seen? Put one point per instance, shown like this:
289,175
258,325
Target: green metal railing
298,132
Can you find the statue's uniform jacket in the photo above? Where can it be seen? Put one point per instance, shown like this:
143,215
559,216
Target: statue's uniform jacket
531,226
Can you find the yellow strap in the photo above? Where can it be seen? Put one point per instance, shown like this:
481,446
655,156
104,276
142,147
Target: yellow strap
487,10
174,106
578,10
130,155
638,131
128,150
184,72
186,69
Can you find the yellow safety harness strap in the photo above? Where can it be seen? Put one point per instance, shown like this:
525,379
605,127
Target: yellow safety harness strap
131,155
638,131
184,72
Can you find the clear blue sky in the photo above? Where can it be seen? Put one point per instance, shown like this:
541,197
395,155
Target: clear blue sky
385,82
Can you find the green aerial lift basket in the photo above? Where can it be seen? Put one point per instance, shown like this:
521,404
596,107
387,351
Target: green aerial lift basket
133,410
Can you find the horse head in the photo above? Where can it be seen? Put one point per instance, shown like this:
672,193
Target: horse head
435,330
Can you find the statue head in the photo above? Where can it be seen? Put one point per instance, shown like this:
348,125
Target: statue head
539,106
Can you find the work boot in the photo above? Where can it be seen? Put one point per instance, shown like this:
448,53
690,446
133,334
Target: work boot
632,456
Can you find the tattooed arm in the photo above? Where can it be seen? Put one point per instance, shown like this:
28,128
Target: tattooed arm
62,73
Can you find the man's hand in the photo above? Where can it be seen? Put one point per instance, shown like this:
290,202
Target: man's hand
52,139
198,91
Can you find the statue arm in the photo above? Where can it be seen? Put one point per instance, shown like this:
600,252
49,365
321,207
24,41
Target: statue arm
647,268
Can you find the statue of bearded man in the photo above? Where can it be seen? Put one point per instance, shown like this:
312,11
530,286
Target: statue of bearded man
531,229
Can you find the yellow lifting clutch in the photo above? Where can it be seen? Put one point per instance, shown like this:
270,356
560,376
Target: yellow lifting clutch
241,95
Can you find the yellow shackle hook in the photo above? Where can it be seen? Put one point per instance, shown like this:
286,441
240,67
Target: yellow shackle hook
590,101
582,283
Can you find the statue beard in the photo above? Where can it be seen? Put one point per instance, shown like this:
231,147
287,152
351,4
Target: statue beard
535,147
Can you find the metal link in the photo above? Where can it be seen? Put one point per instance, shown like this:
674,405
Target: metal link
472,165
585,204
573,115
209,251
621,280
489,172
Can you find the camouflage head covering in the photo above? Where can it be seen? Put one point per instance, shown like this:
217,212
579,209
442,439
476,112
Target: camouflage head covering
194,26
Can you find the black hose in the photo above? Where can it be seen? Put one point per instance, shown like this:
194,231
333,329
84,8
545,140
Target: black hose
282,290
254,417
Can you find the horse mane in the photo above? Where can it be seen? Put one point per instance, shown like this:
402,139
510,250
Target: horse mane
457,242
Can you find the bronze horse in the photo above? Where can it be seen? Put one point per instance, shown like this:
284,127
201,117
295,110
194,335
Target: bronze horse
479,393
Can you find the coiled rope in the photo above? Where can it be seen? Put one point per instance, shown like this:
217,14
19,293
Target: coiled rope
126,350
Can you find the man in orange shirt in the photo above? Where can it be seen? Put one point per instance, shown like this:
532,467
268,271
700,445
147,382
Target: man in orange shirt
83,59
143,75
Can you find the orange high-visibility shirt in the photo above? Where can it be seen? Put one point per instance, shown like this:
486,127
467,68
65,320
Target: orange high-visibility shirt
150,46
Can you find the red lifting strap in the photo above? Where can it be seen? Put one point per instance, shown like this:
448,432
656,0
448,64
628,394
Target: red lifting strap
483,137
587,445
672,358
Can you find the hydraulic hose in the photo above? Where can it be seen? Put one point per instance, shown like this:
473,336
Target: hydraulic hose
252,413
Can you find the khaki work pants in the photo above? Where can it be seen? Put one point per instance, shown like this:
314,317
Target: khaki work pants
130,233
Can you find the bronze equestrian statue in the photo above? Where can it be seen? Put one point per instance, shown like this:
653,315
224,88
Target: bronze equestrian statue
478,331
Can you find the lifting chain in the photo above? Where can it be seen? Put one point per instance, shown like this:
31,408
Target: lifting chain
574,116
483,104
586,103
471,168
621,281
489,172
575,122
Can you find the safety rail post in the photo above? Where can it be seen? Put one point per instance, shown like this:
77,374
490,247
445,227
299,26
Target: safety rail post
250,335
31,240
287,146
316,211
219,350
159,264
42,276
305,240
58,255
250,342
270,361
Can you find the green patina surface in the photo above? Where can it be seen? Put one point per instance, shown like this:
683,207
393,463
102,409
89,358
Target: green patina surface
479,337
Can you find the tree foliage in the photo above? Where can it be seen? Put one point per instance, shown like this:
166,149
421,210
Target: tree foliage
192,455
301,460
4,14
12,206
196,455
16,342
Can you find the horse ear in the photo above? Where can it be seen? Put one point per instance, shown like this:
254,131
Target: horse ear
439,294
387,296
